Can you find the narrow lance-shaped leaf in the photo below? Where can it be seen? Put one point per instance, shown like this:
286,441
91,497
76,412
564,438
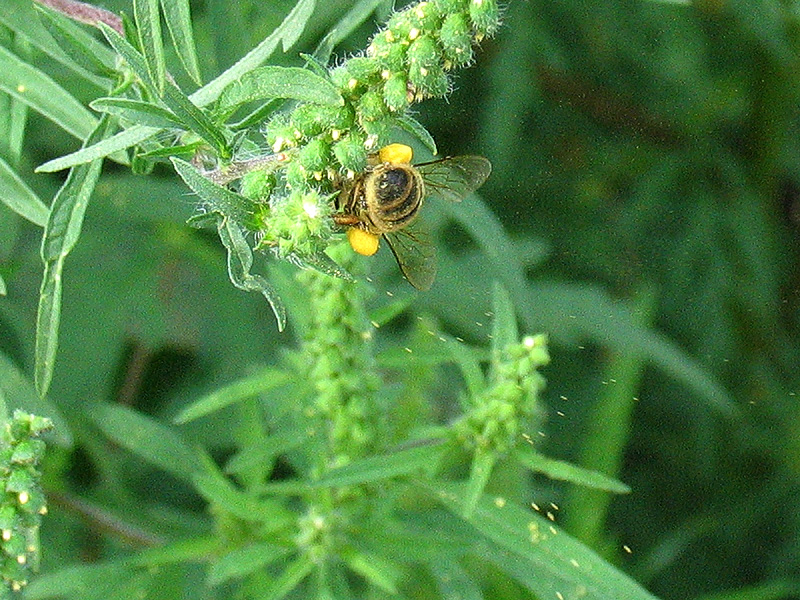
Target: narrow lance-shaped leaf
179,23
141,113
266,83
218,198
45,96
87,52
192,118
288,32
106,147
240,261
359,13
539,555
15,194
249,387
148,26
504,324
564,471
60,235
153,441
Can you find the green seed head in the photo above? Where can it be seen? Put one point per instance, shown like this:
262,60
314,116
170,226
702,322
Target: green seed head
456,39
350,152
395,92
315,156
485,16
371,107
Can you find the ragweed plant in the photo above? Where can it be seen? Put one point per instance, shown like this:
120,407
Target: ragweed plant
320,493
22,504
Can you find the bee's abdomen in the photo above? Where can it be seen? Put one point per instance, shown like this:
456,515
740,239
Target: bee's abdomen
397,196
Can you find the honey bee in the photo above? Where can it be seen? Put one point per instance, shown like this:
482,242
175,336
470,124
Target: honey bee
385,201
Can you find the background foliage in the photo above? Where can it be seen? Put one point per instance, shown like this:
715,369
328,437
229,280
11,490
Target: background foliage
647,171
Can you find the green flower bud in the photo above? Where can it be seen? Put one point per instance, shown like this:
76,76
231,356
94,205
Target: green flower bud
448,7
456,39
315,156
20,480
257,185
395,92
390,54
485,16
280,133
363,68
401,26
371,107
425,52
8,516
310,119
296,175
350,152
299,224
426,16
429,81
340,77
28,452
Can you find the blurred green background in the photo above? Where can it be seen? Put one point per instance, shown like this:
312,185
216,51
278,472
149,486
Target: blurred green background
646,155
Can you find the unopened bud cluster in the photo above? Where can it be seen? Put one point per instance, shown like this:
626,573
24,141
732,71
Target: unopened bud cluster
337,346
22,502
497,415
407,61
298,224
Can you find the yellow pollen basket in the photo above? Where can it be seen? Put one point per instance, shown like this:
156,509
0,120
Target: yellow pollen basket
396,154
363,242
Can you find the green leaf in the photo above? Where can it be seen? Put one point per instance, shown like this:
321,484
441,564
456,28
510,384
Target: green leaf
102,149
218,490
537,554
380,468
564,471
19,16
37,90
61,233
287,32
379,572
150,440
219,199
148,26
289,579
322,263
177,15
244,561
453,580
20,392
352,19
467,361
482,464
577,311
248,387
136,111
279,442
191,117
81,47
267,83
15,194
416,129
3,289
504,324
240,261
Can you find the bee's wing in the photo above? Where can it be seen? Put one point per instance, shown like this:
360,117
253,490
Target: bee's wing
415,255
456,177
